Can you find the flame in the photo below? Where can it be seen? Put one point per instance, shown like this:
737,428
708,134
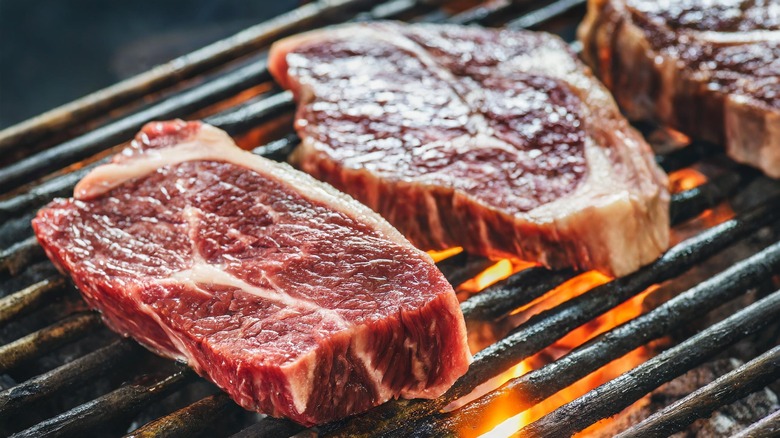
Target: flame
502,420
678,136
516,422
665,140
438,256
566,291
497,272
685,179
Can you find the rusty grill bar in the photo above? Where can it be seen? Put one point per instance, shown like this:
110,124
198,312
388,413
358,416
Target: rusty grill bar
205,84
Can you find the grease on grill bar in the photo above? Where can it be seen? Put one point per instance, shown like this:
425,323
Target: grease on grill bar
226,80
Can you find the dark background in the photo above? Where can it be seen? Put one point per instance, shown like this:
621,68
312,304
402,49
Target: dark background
54,51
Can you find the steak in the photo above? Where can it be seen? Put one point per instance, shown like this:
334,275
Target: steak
292,297
498,141
710,69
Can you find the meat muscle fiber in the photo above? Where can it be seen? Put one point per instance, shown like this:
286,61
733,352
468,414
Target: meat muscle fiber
498,141
710,69
292,297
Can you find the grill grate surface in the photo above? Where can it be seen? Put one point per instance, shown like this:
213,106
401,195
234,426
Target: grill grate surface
228,84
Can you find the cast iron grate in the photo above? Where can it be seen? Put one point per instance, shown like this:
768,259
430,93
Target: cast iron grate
77,360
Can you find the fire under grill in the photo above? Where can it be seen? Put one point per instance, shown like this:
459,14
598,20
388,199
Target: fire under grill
712,295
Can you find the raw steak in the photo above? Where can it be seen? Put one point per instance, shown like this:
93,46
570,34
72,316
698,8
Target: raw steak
497,141
292,297
708,68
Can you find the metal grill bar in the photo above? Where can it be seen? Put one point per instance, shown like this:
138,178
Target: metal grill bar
727,389
86,368
111,134
512,293
546,13
71,151
462,266
394,8
173,72
686,156
38,195
243,117
188,421
495,301
690,203
685,205
482,13
21,254
30,298
122,402
768,427
188,101
544,329
271,427
523,392
616,395
277,150
15,353
212,91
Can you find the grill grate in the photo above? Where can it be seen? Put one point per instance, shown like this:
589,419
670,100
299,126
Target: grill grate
737,384
612,397
228,84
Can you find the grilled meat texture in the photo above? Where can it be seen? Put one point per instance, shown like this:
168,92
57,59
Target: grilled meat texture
708,69
292,297
498,141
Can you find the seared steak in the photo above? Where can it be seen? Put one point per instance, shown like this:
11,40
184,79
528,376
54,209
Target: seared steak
292,297
498,141
709,69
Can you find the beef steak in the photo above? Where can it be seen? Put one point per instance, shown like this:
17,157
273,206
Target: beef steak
292,297
497,141
710,69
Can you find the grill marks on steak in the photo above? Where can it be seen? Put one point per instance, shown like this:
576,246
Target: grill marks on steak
497,141
709,69
295,299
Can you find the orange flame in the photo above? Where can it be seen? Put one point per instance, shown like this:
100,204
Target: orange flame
495,273
438,256
503,420
497,419
685,179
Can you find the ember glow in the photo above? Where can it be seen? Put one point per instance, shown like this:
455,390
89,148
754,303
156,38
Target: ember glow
685,179
495,273
566,291
438,256
503,419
